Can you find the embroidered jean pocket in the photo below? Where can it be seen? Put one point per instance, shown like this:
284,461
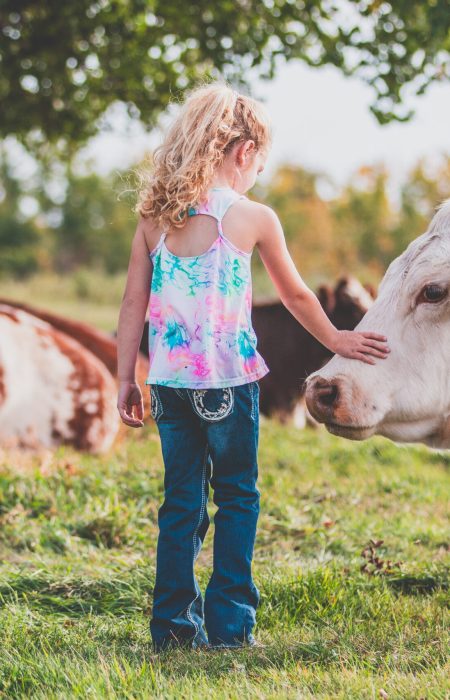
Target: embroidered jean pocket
156,409
212,404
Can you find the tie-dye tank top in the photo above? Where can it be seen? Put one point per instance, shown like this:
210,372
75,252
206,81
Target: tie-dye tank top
200,329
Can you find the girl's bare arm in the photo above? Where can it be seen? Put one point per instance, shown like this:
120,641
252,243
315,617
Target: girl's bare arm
131,322
134,306
302,302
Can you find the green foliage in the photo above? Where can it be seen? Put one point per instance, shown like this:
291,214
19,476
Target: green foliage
87,223
364,219
305,217
19,237
360,231
64,64
77,563
96,225
420,196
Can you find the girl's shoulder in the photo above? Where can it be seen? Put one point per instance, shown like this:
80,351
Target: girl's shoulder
252,208
245,221
150,231
250,213
245,207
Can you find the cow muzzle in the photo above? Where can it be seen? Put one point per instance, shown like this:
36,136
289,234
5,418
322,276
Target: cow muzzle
338,404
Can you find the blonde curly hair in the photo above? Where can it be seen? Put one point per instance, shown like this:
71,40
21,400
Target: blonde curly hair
213,118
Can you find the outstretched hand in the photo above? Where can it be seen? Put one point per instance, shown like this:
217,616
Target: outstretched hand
361,345
130,402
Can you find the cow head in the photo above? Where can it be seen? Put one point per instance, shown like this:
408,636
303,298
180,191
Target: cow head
352,301
405,397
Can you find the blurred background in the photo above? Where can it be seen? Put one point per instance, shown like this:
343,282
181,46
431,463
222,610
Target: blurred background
358,94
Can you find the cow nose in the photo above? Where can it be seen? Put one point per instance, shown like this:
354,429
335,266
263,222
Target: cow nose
327,394
322,397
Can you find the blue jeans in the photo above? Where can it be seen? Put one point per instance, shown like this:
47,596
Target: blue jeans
208,436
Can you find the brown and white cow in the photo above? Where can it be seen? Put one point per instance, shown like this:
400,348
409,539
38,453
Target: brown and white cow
99,343
405,397
52,390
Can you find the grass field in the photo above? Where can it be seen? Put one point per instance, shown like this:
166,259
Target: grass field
77,558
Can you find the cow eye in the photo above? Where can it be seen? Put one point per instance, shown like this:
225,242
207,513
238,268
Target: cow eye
432,294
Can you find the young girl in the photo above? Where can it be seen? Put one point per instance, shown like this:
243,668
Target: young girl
192,251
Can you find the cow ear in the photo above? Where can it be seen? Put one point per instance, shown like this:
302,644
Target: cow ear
327,298
341,290
371,289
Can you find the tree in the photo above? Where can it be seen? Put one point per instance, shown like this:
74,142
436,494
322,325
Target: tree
64,63
420,195
305,218
363,219
95,224
20,239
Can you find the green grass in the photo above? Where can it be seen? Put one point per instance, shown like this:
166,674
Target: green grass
86,295
77,558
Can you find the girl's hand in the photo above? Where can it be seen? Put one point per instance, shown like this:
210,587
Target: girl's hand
129,398
360,346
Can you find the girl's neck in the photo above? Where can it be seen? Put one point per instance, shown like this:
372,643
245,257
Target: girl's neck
225,176
221,183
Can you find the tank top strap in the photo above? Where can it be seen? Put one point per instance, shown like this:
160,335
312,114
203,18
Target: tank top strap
157,247
218,202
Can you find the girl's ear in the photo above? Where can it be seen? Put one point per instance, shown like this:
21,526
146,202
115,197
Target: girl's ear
245,150
250,147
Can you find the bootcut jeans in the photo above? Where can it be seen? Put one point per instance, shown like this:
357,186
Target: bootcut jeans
208,437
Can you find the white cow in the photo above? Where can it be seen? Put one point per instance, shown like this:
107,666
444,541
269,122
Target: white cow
405,397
